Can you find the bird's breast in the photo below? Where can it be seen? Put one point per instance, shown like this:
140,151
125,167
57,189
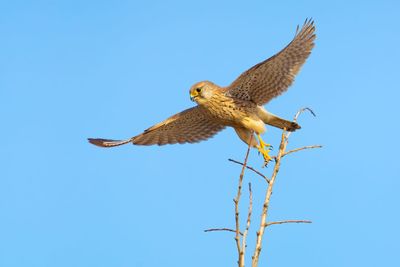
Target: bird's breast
234,112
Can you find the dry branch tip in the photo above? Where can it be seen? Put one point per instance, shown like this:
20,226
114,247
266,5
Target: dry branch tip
222,230
287,221
251,168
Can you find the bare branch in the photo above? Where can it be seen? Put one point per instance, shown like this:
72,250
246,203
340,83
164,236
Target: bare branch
281,153
241,237
301,148
252,169
222,229
261,230
250,210
236,201
287,221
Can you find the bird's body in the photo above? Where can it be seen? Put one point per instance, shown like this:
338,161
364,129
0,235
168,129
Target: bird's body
239,105
230,111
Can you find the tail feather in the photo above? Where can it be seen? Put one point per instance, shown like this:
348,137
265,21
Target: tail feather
274,120
108,142
290,126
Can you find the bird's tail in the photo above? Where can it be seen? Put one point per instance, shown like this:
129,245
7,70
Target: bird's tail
107,142
274,120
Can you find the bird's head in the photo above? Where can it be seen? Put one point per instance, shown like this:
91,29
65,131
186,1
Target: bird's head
202,91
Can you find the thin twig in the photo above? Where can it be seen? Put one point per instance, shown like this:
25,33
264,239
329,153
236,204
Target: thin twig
298,114
287,221
250,210
301,148
252,169
222,229
236,201
301,111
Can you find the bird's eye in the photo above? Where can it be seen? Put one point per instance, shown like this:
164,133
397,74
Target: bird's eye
198,90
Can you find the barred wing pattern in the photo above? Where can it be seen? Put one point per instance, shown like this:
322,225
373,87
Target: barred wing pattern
189,126
273,76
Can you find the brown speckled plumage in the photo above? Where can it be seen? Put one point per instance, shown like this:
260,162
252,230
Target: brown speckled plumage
273,76
239,105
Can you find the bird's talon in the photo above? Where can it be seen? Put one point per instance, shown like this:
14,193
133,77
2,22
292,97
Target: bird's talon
264,149
265,154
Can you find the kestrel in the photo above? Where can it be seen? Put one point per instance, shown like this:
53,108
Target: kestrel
239,105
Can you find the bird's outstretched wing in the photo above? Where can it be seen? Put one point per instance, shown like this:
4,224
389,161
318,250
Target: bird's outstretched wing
189,126
273,76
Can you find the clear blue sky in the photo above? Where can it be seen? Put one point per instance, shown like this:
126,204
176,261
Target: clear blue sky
76,69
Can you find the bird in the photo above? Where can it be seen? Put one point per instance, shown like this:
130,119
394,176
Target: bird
239,105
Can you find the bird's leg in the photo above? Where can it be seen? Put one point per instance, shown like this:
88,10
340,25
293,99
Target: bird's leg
264,149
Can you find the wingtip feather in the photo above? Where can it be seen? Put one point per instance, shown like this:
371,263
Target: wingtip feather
107,142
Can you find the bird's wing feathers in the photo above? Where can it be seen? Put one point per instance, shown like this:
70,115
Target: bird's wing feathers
273,76
189,126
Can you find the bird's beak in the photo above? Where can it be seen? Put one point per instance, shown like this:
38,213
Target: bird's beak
193,95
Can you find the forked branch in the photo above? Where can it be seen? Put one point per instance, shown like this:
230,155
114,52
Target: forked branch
241,237
281,153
